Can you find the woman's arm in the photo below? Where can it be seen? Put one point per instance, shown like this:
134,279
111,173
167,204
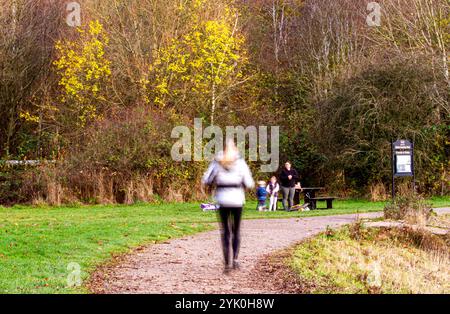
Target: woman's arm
247,176
209,175
283,175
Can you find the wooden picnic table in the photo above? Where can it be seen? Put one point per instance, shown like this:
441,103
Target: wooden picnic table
309,192
311,198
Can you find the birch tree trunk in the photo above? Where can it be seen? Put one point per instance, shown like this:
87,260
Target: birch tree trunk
213,103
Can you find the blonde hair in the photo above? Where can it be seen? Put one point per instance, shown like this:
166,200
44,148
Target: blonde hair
230,155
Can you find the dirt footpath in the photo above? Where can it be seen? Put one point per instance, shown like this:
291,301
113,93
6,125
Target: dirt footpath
194,264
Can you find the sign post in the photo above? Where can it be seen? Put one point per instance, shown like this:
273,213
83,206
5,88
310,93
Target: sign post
402,161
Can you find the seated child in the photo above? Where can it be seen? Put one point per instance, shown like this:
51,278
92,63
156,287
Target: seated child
272,189
261,194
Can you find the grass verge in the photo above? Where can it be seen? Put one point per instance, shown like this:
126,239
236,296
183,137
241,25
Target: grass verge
38,243
373,261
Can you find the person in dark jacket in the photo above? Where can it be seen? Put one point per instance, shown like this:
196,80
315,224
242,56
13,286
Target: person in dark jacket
288,179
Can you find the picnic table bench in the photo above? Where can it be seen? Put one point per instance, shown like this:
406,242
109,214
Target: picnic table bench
310,197
329,199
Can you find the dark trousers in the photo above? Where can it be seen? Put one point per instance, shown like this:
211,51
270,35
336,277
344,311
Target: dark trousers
230,218
288,194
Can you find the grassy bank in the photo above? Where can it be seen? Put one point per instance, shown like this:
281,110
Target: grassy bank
373,261
37,244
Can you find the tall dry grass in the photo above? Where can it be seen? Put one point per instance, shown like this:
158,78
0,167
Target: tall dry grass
378,192
376,261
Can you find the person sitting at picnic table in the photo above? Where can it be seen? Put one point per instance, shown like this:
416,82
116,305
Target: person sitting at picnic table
288,179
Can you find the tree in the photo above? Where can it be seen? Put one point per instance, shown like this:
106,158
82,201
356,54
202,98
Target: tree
401,99
201,67
84,73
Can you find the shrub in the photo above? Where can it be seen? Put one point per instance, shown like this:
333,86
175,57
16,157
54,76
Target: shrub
10,182
126,158
410,207
361,115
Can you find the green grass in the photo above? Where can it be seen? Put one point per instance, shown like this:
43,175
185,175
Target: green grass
37,243
440,201
372,261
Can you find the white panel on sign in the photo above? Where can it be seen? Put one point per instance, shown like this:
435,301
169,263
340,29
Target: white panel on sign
404,164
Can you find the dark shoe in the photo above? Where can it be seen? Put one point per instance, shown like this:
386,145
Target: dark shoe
227,270
236,264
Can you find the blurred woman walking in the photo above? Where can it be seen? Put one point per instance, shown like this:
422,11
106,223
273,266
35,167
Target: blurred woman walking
230,175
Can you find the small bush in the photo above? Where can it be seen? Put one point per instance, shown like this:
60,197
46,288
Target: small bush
409,207
357,230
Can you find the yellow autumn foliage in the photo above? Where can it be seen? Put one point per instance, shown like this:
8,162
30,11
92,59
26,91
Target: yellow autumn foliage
84,72
205,61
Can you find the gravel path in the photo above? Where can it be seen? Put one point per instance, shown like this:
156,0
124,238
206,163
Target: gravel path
194,264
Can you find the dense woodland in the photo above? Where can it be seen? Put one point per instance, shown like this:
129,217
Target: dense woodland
97,103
